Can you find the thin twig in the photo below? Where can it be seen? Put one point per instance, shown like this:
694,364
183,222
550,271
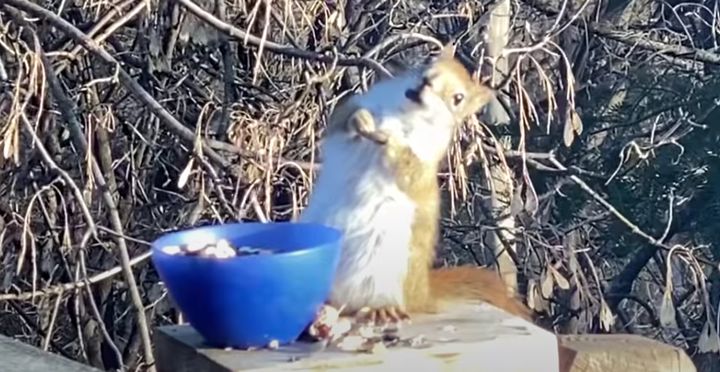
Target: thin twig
274,47
635,39
96,313
99,178
127,81
633,227
60,288
51,326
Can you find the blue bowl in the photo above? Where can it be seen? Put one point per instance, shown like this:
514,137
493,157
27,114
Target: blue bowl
248,301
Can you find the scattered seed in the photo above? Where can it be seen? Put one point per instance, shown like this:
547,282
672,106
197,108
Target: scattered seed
377,348
351,343
367,331
222,249
417,341
342,327
449,328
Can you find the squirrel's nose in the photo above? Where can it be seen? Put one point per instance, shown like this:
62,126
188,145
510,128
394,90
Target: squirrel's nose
413,95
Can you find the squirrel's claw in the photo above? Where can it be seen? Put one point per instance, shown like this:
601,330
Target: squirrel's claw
385,315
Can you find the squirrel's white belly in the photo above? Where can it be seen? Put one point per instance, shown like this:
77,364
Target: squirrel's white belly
355,193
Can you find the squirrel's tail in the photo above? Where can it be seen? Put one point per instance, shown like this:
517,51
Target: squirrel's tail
476,283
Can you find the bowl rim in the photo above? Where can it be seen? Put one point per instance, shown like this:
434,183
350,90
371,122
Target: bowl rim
156,248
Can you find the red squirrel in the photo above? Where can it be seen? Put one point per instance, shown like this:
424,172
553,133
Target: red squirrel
381,155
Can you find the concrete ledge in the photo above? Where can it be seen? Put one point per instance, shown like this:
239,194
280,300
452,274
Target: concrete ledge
16,356
484,339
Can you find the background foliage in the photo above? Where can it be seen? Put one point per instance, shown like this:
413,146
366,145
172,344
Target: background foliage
122,120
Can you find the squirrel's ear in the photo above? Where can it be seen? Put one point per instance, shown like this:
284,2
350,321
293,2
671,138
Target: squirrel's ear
481,96
447,51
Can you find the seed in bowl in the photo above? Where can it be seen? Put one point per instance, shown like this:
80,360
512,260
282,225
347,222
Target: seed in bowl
220,249
172,249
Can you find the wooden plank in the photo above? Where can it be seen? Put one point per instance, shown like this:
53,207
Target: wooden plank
484,339
16,356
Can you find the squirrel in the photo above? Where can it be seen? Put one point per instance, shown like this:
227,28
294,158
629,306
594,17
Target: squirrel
378,184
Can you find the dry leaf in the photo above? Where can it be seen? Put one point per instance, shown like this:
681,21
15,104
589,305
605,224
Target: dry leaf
535,300
7,148
606,316
547,284
709,340
667,309
336,21
466,10
531,294
597,139
573,264
568,135
516,203
531,200
617,99
573,126
576,122
559,279
182,180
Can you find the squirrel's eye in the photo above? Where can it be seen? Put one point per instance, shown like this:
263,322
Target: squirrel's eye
458,98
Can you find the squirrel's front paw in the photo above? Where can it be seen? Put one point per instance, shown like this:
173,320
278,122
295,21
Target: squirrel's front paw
383,315
364,123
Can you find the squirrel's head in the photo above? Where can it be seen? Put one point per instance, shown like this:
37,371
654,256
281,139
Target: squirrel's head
451,82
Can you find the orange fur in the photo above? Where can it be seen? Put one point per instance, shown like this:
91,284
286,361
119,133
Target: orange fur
446,78
476,283
426,290
419,181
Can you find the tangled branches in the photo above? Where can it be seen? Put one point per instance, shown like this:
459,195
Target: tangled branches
119,121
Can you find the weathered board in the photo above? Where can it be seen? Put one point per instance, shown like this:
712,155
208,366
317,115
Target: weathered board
16,356
472,337
627,353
